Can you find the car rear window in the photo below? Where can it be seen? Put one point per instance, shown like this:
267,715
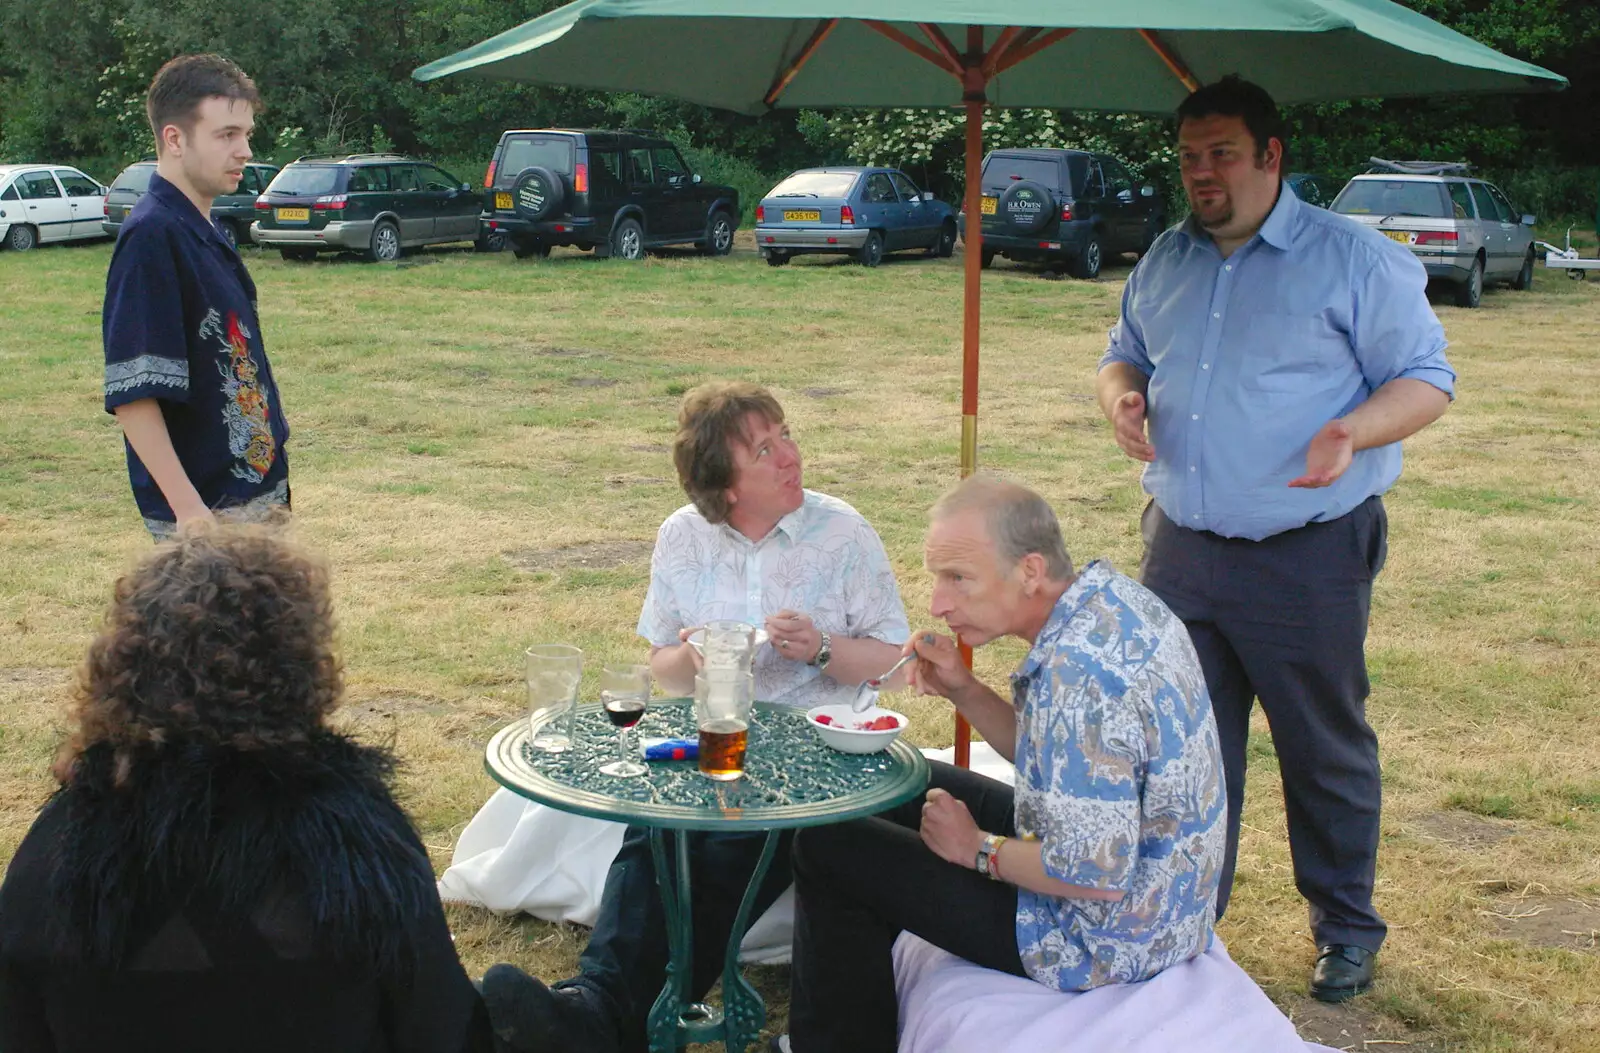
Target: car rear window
136,179
1002,169
815,184
546,151
1394,197
307,180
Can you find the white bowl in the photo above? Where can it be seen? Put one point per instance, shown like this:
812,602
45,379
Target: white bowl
842,734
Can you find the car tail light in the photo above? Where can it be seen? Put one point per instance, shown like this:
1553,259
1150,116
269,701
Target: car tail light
488,177
334,201
105,209
761,214
261,203
847,216
1066,213
580,179
1436,237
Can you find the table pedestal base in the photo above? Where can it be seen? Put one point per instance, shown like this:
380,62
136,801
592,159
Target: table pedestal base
675,1021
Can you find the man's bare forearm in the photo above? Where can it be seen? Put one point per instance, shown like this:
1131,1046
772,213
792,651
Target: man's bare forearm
993,716
147,433
1396,411
1115,380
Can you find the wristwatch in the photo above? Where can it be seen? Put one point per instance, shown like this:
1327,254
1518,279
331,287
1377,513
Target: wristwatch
988,861
824,653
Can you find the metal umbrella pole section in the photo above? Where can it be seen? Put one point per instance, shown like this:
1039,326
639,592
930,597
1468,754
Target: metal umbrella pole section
974,68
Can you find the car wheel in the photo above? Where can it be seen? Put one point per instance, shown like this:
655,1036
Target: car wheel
870,254
1087,263
777,259
530,248
298,255
491,241
1524,279
537,192
1470,292
986,260
385,247
945,246
21,238
719,235
627,240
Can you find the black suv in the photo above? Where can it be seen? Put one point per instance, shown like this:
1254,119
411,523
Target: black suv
618,193
1066,206
233,212
374,204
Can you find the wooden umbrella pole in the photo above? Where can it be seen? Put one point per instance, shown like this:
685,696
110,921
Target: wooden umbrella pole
974,82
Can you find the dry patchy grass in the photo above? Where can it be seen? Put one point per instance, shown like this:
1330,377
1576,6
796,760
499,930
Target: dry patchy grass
480,449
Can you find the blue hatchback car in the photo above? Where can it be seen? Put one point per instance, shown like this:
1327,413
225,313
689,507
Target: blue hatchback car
865,212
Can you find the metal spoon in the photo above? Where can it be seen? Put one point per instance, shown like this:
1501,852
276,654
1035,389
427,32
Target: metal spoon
867,693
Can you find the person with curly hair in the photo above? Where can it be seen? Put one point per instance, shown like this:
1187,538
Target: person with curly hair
219,869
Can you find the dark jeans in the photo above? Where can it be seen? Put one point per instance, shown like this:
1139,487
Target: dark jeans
858,885
1284,620
626,960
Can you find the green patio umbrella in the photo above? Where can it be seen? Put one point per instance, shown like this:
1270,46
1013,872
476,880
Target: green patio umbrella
1117,55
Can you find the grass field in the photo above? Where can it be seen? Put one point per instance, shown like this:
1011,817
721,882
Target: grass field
480,449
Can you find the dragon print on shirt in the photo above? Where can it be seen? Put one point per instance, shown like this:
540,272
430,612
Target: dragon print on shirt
245,409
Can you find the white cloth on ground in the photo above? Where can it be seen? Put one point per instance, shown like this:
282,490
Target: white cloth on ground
1204,1005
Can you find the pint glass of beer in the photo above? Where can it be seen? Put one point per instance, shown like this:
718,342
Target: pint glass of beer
722,704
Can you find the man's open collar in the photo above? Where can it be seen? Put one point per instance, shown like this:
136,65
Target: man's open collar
175,199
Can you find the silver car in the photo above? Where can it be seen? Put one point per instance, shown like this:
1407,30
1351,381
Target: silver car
1464,230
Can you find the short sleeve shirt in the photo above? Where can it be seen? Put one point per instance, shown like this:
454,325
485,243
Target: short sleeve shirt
1119,781
180,326
823,559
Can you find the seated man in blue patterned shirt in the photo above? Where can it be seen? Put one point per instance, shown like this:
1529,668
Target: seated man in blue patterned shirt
1100,866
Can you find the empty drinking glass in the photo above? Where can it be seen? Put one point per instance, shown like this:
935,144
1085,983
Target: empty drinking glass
624,694
553,674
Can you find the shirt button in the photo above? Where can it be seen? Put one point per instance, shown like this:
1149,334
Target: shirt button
1191,468
1205,365
1228,267
1194,416
1195,516
1216,314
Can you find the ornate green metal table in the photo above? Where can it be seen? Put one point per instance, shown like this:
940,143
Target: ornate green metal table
791,779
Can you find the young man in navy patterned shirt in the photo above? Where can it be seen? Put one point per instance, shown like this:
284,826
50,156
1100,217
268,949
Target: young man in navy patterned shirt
186,371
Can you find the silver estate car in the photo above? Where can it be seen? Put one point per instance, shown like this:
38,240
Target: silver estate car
1464,230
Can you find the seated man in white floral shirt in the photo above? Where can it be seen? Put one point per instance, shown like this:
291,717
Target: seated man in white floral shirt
754,546
1101,867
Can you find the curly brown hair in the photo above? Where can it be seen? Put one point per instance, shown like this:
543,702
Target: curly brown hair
224,636
711,418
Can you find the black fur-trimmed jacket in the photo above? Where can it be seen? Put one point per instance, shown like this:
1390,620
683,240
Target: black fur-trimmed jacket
224,899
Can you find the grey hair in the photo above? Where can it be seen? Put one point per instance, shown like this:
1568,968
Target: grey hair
1019,521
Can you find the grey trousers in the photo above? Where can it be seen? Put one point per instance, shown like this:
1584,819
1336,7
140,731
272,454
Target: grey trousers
1284,620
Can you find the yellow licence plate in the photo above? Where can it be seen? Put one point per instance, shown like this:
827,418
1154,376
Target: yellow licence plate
1402,236
503,202
294,215
802,216
988,205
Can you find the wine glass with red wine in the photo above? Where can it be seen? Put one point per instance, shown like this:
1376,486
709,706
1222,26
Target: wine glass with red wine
625,695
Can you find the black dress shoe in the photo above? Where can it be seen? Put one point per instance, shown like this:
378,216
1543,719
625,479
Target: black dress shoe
1342,972
529,1017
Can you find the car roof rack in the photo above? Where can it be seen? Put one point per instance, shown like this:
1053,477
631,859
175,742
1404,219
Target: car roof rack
352,157
1379,164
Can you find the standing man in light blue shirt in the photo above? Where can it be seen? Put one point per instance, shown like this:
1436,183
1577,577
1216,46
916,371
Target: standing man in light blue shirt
1269,359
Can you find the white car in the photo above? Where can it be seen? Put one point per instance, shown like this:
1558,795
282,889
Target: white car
40,203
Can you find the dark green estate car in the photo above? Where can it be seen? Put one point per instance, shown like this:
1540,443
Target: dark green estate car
375,204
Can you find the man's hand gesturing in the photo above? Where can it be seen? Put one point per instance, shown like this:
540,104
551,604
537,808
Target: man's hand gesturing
1128,422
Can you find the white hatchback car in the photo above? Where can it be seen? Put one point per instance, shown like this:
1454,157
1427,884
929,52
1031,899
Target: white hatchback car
40,203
